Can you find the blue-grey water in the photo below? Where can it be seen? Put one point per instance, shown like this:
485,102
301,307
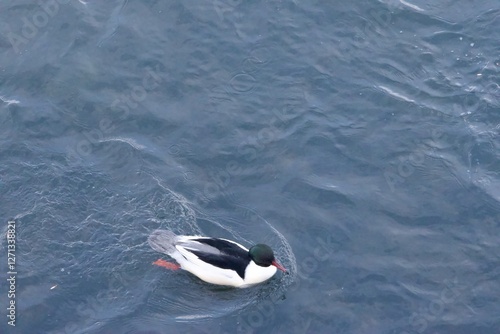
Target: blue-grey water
359,139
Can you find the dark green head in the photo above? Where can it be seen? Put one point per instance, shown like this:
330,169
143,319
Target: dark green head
263,256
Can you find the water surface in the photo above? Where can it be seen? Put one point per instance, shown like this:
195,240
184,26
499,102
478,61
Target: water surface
359,140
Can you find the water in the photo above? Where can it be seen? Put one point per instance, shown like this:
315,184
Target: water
359,140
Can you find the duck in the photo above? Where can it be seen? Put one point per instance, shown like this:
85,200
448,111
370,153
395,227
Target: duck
216,260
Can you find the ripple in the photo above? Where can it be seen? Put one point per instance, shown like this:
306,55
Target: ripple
412,6
185,298
8,101
88,233
129,141
396,94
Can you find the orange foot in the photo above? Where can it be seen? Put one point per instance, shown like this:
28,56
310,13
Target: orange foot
166,264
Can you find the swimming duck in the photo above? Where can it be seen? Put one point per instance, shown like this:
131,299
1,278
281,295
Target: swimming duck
216,260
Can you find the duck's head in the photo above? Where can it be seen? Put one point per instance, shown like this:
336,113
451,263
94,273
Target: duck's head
263,256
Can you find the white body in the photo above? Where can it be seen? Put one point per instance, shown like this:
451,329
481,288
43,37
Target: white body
180,248
188,261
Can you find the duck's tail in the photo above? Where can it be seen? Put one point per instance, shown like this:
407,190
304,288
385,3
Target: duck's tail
163,241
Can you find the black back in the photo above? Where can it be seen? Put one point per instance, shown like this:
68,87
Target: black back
231,256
